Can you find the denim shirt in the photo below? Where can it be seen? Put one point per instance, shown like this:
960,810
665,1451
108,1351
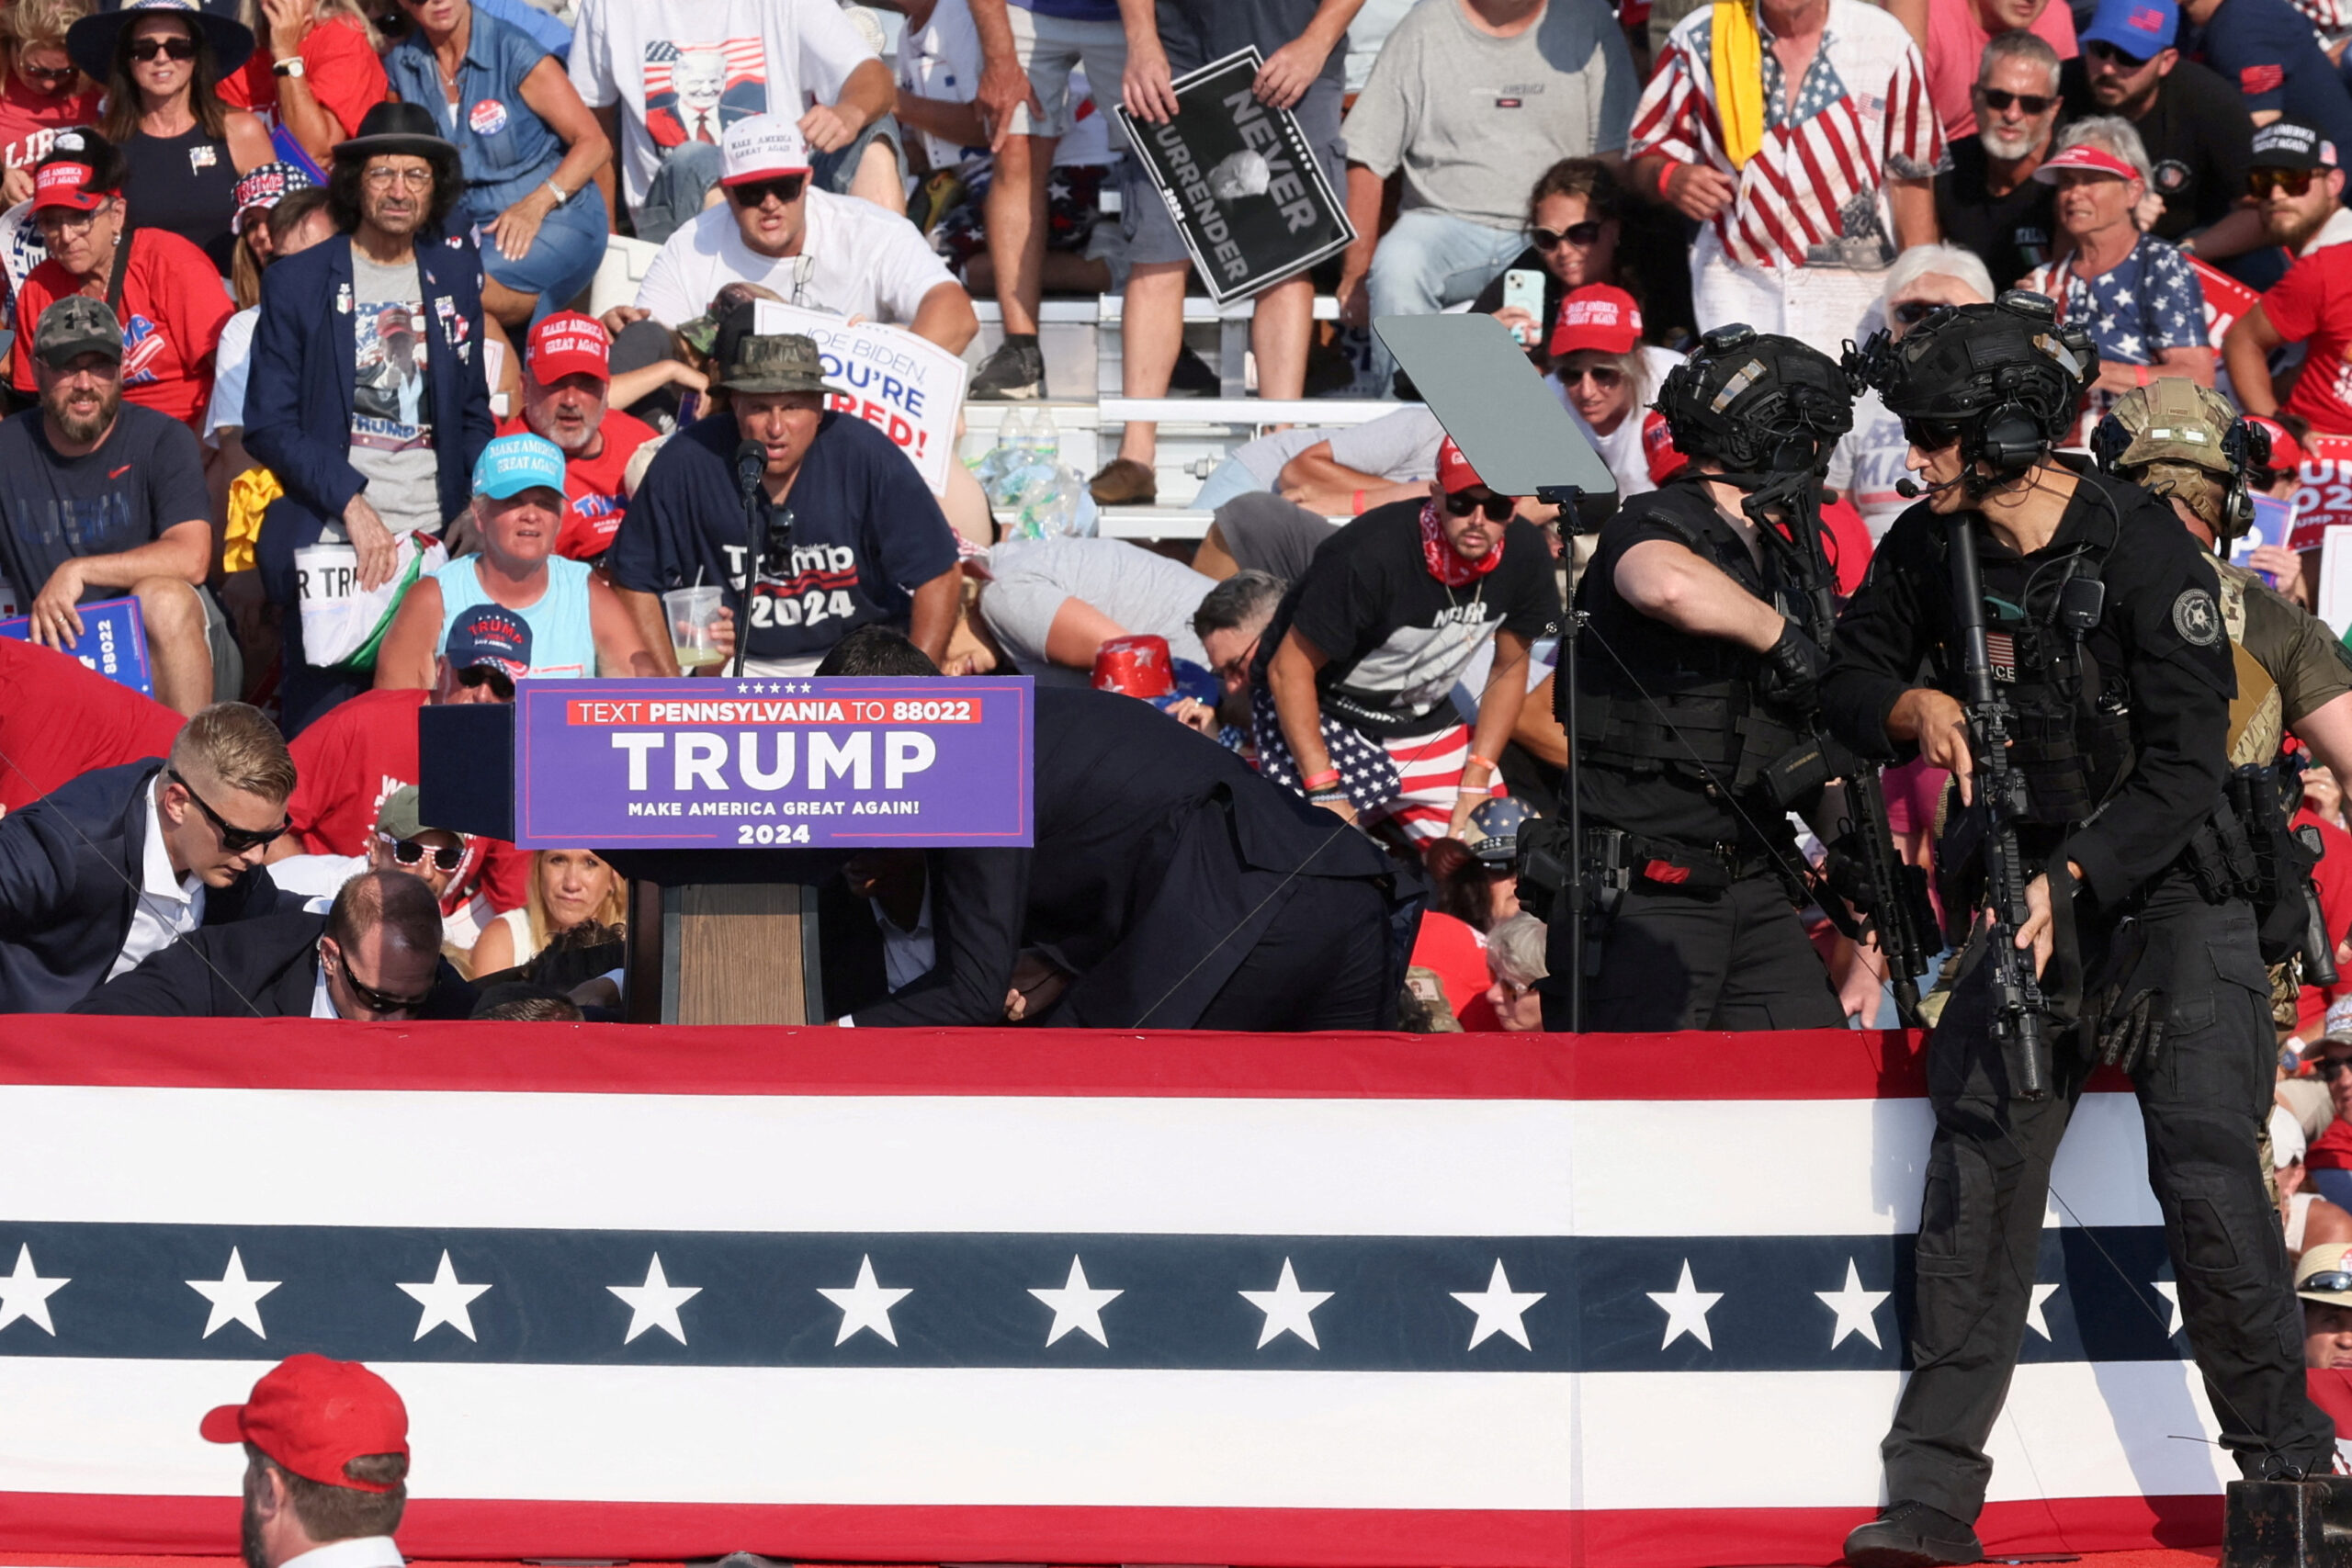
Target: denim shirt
506,149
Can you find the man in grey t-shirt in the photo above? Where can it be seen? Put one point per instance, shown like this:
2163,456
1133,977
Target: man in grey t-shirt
1471,100
1050,604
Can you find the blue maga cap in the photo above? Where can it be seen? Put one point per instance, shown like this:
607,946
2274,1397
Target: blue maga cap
513,463
2143,28
491,635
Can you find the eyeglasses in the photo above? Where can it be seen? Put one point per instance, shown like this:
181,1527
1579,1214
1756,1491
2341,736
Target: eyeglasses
1608,378
147,49
2108,53
384,178
233,839
56,77
65,220
1577,234
1236,669
1930,435
373,999
1497,507
2260,183
1911,312
1997,99
501,684
409,852
786,188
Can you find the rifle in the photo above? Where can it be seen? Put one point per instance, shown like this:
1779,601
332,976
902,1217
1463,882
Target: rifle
1864,867
1999,801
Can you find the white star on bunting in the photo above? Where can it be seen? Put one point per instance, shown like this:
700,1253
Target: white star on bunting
2171,1293
1500,1309
1078,1305
445,1301
655,1304
1288,1309
25,1294
866,1304
1686,1308
234,1298
1857,1308
2033,1318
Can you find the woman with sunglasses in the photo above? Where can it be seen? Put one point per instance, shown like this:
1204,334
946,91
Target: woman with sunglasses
1605,376
567,887
161,61
43,93
531,149
1576,219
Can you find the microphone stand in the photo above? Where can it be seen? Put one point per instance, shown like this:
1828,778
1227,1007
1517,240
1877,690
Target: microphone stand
1564,711
751,466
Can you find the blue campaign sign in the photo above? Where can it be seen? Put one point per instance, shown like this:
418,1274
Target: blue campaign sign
114,641
763,764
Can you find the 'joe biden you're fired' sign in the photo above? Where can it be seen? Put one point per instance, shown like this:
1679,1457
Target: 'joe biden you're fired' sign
767,762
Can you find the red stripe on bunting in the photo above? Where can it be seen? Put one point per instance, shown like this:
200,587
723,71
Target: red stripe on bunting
661,1059
1278,1537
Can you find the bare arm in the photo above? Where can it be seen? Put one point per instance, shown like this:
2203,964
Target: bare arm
184,551
946,317
960,123
1912,15
2246,351
1538,730
620,641
587,151
1282,81
932,620
1078,632
1366,190
2234,233
1320,482
2328,730
1147,90
1290,676
2194,363
1004,87
608,120
405,659
494,949
1912,204
249,143
1668,582
1498,708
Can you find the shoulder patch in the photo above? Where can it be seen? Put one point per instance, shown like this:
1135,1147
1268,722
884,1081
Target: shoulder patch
2197,618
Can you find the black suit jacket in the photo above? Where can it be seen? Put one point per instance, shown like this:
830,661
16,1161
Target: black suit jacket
70,868
265,968
1160,858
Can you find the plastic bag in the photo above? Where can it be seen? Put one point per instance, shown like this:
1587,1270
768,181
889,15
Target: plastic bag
343,624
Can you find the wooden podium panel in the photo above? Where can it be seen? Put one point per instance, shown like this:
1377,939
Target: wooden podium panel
737,953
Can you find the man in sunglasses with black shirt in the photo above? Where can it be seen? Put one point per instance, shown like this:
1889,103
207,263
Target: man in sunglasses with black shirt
122,862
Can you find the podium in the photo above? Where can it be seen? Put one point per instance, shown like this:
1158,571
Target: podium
727,804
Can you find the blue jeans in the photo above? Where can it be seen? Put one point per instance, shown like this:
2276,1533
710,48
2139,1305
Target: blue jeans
563,256
1227,479
676,195
1428,261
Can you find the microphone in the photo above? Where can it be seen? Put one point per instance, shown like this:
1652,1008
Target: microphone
751,466
1912,490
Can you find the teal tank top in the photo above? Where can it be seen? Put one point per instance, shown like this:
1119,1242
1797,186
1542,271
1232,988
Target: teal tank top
562,644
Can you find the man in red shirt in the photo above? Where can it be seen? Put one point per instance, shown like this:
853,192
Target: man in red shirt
2333,880
360,750
317,75
60,719
566,375
2298,178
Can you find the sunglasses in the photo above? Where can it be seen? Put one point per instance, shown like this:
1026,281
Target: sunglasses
2333,1281
1930,435
2329,1067
1577,234
2110,54
501,684
1497,507
1911,312
2260,183
786,188
56,77
379,1001
147,49
393,24
233,839
1997,100
1608,378
408,852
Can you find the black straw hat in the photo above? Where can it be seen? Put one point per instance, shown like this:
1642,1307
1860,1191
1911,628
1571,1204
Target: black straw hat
399,127
93,42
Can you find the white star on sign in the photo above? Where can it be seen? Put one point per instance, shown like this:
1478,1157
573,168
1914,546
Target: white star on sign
1500,1309
655,1304
445,1301
866,1304
1686,1310
25,1294
2033,1318
1078,1305
234,1298
1857,1308
2171,1293
1288,1309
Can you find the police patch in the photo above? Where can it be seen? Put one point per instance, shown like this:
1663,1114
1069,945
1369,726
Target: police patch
2195,618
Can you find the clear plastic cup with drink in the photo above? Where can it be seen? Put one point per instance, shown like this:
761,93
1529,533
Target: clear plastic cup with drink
694,625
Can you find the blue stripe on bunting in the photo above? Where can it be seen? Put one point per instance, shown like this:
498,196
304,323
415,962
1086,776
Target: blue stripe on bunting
1391,1306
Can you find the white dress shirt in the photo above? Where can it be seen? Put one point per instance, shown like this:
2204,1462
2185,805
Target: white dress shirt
168,908
907,955
360,1552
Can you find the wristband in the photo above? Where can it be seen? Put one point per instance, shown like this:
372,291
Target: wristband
1475,789
1665,176
1358,503
1478,761
1323,780
1323,797
2138,375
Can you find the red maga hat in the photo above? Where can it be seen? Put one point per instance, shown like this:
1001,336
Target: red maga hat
568,343
66,184
2083,155
1453,470
1597,316
313,1416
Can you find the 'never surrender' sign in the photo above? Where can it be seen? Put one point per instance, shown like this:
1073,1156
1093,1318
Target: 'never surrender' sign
767,763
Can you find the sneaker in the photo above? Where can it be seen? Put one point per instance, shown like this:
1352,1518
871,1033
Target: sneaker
1192,377
1016,370
1913,1535
1124,482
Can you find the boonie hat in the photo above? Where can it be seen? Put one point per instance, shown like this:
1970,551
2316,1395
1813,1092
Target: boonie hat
761,147
2286,144
2141,28
2324,1276
2083,155
76,325
778,362
313,1416
488,637
513,463
568,343
1597,316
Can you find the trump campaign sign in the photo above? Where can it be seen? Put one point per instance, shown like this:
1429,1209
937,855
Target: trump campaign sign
908,387
708,764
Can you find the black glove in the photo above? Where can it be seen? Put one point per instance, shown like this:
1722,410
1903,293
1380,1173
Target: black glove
2127,1006
1792,668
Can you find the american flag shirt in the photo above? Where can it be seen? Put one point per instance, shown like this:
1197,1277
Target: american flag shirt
1813,193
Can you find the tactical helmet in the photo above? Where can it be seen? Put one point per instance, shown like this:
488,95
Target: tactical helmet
2178,439
1757,402
2004,378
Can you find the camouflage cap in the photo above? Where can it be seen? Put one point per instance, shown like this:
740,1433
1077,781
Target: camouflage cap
74,326
784,362
2171,420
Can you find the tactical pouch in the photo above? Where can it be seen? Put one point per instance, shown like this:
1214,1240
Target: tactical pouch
2047,757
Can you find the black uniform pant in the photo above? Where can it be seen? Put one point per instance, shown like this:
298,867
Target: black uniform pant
1326,963
2201,1104
1732,958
